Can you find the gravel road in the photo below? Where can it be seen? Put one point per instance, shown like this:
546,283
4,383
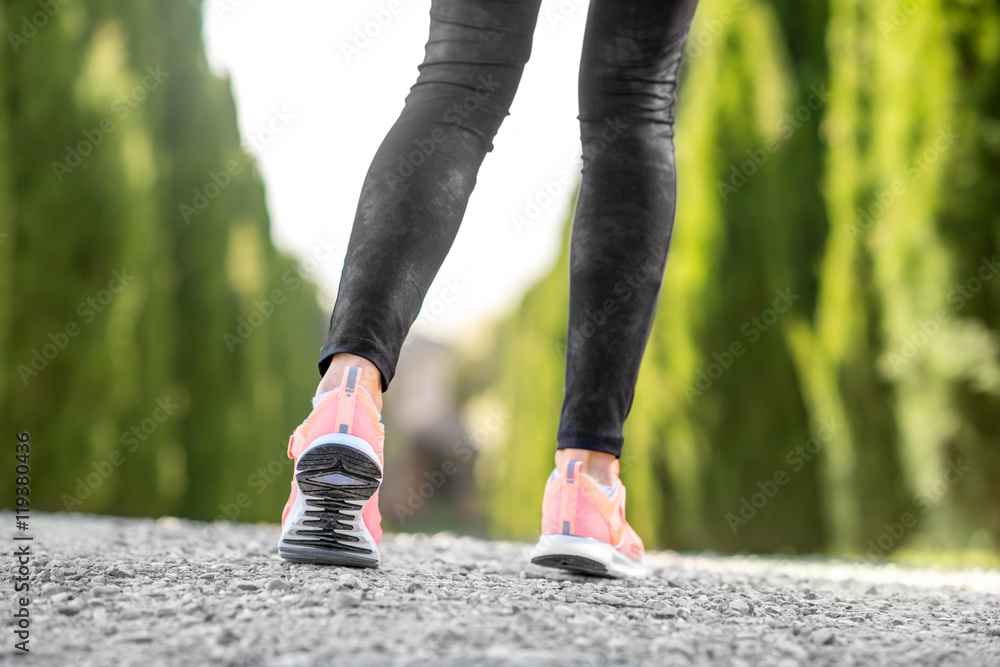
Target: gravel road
108,591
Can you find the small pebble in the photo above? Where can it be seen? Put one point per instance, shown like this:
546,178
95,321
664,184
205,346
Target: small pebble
277,585
825,637
740,606
242,585
54,589
346,600
349,581
666,612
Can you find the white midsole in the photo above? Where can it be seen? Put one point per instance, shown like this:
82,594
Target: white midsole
617,563
352,441
299,508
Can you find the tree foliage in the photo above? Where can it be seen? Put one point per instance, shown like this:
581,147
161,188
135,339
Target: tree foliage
155,344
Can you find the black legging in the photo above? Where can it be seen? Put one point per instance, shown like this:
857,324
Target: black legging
418,186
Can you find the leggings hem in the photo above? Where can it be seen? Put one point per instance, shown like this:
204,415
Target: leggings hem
595,443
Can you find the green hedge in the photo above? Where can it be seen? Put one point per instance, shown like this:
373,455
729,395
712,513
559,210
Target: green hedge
120,309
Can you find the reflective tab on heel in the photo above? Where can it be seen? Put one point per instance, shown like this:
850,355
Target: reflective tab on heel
570,492
347,398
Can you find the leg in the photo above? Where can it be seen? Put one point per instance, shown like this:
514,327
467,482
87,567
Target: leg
420,180
624,216
618,249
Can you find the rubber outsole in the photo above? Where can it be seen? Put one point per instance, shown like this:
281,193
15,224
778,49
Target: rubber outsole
584,555
313,556
335,481
573,563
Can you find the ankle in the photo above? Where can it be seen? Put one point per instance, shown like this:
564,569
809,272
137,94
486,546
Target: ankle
601,466
371,378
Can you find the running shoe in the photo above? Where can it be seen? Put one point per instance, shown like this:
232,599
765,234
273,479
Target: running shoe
584,528
332,514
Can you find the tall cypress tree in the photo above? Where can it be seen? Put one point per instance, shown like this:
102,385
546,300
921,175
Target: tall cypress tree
150,408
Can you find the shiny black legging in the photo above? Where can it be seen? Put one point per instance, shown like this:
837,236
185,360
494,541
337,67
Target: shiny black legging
417,188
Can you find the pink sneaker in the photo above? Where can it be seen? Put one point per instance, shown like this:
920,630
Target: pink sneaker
332,515
584,528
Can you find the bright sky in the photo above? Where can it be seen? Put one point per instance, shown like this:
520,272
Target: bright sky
330,92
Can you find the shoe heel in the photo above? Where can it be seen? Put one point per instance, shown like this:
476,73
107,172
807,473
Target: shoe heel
584,555
576,554
336,476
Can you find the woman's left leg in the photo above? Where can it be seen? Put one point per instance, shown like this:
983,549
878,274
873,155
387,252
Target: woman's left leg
417,188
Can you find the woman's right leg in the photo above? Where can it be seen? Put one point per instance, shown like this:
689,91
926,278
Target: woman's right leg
417,188
624,216
618,247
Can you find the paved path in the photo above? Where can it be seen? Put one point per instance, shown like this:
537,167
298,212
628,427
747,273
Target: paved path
139,592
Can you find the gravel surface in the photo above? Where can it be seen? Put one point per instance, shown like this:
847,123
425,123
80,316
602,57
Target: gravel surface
108,591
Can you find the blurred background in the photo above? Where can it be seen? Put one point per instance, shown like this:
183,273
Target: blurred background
177,185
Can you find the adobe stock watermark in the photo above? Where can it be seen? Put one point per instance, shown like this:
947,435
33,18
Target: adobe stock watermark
753,329
626,461
712,29
364,35
133,438
455,115
433,308
29,27
222,8
758,157
559,15
293,279
463,451
912,171
922,502
555,187
551,191
258,482
88,310
596,317
219,180
899,16
121,108
796,458
958,297
276,470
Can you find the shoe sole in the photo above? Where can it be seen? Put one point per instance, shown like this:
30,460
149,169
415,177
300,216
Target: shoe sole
336,476
584,555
